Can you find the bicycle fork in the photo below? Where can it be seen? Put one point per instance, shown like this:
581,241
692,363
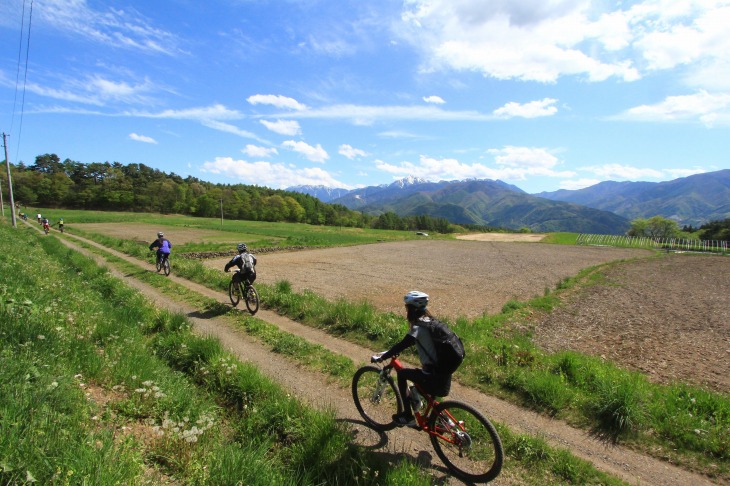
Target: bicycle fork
381,386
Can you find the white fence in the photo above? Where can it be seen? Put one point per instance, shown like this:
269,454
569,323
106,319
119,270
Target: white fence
668,244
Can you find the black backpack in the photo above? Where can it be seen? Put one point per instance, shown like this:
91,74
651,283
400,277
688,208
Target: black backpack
449,348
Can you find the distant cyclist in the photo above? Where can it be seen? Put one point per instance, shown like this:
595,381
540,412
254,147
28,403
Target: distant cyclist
246,263
163,245
46,224
60,224
39,218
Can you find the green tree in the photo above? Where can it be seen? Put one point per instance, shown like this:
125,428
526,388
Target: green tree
655,227
716,230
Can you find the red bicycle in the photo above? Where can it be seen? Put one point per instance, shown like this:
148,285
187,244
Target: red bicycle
463,438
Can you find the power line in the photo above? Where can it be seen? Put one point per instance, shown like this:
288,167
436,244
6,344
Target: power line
25,76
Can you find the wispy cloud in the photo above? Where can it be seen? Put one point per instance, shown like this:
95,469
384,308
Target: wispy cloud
277,101
367,115
283,127
122,28
212,112
533,109
142,138
705,107
437,100
351,152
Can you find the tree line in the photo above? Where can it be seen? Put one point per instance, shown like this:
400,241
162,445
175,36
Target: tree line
50,182
658,227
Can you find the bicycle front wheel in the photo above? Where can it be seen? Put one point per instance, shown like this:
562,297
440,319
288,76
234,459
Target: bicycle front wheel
166,266
234,292
466,441
252,300
376,397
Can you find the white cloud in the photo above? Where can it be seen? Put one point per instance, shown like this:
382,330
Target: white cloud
513,164
315,154
283,127
269,174
524,157
256,151
366,115
527,40
276,100
706,107
142,138
625,172
228,128
213,112
350,152
437,100
93,90
545,40
121,28
678,173
575,184
533,109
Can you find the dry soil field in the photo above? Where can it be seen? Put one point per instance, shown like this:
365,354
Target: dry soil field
668,317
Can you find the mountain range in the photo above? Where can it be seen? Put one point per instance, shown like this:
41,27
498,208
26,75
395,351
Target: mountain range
605,208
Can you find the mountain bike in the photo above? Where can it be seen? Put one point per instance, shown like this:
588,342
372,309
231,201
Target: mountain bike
463,438
46,228
240,287
163,263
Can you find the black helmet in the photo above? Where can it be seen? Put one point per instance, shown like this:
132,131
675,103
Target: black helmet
160,235
242,247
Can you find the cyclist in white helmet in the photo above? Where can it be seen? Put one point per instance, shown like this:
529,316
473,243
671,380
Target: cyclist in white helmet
438,384
246,263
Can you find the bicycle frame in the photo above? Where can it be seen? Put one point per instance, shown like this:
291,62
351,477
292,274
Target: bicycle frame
423,414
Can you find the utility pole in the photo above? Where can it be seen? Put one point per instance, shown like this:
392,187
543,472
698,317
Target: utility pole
10,183
221,212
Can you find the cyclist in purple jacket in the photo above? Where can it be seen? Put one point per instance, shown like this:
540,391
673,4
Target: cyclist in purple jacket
163,246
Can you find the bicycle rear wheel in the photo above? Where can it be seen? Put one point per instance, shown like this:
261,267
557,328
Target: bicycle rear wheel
376,398
252,300
466,441
234,292
166,266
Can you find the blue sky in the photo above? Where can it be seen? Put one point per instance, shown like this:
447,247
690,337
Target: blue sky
542,94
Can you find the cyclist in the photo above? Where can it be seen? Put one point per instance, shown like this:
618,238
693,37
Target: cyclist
163,246
60,224
39,218
246,263
434,383
46,225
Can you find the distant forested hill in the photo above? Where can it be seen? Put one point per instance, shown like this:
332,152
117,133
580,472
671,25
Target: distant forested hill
692,200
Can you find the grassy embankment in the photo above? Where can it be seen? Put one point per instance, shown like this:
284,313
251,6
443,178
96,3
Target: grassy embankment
681,423
99,387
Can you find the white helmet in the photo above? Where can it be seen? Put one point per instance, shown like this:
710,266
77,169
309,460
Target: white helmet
160,234
417,299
